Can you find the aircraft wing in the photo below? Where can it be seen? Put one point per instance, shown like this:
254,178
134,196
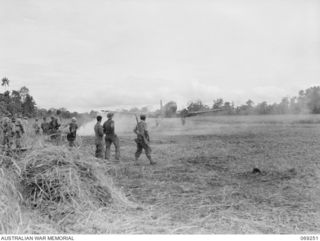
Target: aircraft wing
194,113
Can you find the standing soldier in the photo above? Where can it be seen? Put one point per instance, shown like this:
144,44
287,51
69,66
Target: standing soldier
111,137
45,126
183,120
36,127
98,131
51,126
71,136
143,139
19,131
54,129
8,134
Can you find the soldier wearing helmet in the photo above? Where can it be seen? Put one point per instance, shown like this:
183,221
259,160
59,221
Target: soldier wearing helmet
8,134
143,139
53,131
36,127
19,131
110,137
98,131
45,126
71,136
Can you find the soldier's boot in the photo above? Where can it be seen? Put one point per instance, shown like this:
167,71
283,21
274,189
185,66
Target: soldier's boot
136,157
116,143
117,157
152,162
138,152
107,153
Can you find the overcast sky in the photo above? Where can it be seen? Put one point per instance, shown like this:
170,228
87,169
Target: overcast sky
93,54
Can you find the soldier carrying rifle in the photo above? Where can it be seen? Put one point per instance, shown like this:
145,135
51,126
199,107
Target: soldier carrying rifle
8,134
143,139
98,130
19,131
111,137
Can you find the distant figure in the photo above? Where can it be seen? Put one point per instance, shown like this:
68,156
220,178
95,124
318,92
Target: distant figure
98,131
183,120
45,126
71,136
19,131
157,122
143,139
111,137
36,127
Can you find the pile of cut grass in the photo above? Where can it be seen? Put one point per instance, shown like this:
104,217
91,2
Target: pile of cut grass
10,212
66,185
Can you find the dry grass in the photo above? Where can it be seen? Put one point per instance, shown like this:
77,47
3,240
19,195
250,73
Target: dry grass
67,185
10,212
61,189
203,182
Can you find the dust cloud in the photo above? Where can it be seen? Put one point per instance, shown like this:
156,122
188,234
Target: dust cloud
124,125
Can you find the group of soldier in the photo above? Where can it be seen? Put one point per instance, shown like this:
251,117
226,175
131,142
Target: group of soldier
107,130
52,130
12,131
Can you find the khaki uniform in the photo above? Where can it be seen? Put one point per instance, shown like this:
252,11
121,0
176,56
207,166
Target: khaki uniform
72,133
142,140
36,128
54,130
98,131
19,131
8,135
111,138
45,127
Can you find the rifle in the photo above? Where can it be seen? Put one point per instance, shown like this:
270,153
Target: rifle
145,139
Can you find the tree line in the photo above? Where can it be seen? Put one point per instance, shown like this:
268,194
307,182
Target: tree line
16,102
307,101
20,102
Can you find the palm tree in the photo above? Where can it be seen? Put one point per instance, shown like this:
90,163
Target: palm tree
5,82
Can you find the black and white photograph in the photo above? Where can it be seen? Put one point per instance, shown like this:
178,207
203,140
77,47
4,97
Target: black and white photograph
159,117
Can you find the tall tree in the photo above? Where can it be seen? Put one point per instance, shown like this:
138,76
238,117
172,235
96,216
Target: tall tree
5,82
29,106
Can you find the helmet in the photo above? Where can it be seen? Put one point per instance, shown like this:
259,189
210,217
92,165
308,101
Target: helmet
110,114
74,119
143,116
